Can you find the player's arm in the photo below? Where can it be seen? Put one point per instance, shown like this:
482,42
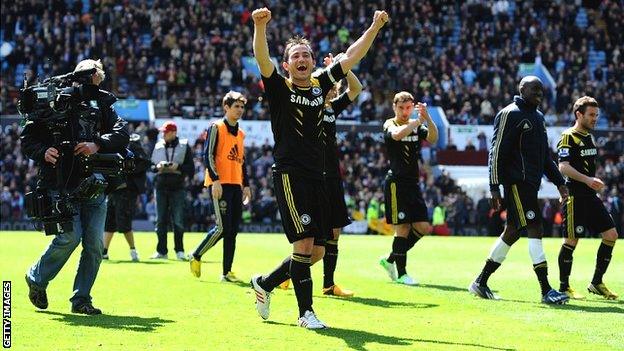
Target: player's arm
354,86
261,17
432,129
502,141
210,151
399,132
551,171
570,172
565,150
246,188
360,47
553,174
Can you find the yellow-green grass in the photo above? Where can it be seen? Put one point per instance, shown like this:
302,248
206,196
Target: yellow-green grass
159,305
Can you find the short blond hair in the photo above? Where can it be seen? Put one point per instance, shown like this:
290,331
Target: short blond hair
233,96
88,64
402,96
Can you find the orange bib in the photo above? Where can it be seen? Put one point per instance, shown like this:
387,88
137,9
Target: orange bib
229,156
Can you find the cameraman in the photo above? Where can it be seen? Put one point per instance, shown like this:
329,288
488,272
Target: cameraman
96,128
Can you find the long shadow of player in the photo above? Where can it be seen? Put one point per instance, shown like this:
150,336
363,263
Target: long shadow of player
574,307
357,339
241,284
134,262
608,302
372,301
442,287
107,321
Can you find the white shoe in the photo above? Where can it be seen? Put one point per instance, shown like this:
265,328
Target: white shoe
309,321
158,255
181,256
263,298
134,255
389,267
407,280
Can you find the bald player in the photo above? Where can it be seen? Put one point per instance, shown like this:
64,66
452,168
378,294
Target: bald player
518,159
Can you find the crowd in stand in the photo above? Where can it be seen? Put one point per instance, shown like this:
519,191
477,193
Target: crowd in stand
363,166
462,56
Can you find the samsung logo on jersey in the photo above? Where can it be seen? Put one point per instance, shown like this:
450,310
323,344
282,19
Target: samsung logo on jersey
411,138
302,100
589,152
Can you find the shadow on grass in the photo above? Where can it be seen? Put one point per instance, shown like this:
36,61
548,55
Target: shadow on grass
152,261
357,339
133,262
134,323
442,287
608,302
371,301
238,284
592,309
572,306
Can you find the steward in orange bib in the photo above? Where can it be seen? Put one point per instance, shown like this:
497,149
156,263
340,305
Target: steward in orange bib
224,158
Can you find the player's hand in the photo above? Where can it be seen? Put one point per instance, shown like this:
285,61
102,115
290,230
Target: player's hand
246,195
564,192
415,122
173,166
496,200
51,155
422,112
217,190
261,16
595,183
327,60
86,148
379,19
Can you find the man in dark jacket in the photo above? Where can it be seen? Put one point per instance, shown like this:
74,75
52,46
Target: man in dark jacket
122,202
519,157
173,161
97,129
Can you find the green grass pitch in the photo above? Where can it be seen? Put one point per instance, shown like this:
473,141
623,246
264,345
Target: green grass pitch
159,305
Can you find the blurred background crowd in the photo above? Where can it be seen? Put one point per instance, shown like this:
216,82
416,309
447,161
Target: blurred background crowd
461,56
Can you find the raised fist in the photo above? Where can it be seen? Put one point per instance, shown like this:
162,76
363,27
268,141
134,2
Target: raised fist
380,18
261,16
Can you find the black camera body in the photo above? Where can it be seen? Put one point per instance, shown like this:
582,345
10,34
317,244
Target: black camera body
51,104
50,99
55,209
51,209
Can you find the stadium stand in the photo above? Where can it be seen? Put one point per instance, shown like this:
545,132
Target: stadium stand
184,55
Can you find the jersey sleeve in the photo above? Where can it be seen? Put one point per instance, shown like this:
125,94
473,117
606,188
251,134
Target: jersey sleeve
386,129
340,104
210,150
422,132
274,86
564,148
504,138
330,76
